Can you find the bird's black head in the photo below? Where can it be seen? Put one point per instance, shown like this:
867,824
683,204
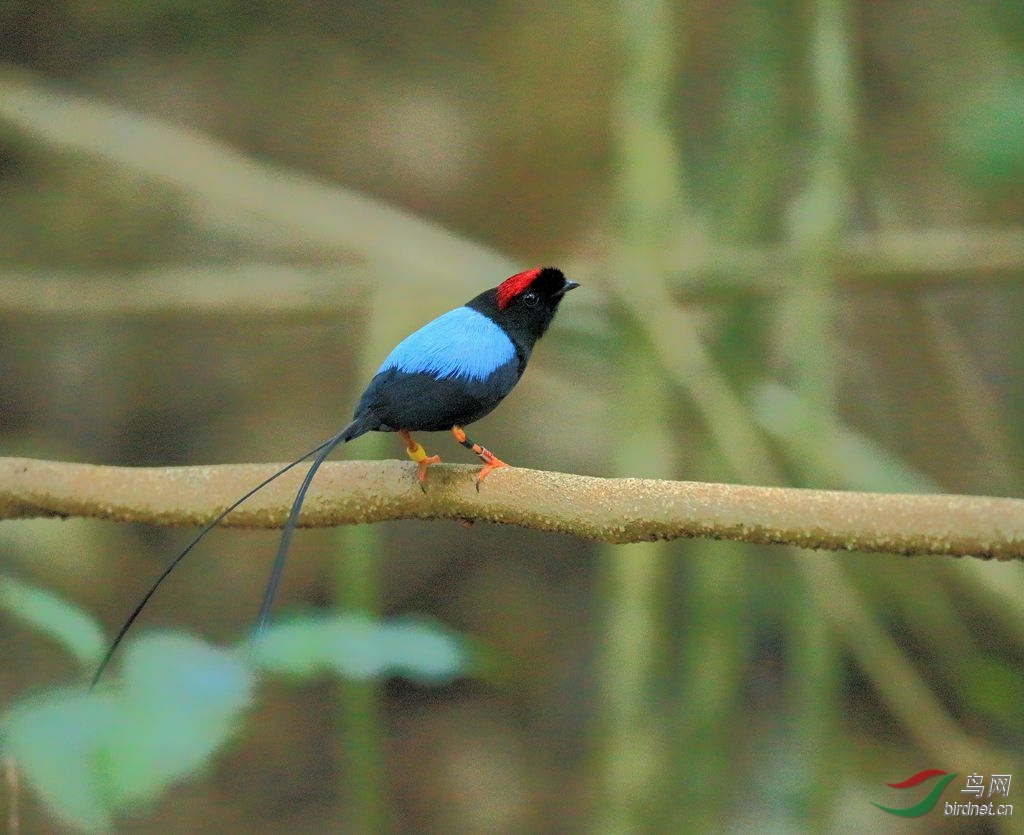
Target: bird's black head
525,304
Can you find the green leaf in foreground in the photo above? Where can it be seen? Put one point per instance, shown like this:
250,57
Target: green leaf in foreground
78,633
94,756
180,701
55,742
360,648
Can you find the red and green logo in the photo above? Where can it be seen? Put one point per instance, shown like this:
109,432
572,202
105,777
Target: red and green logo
922,806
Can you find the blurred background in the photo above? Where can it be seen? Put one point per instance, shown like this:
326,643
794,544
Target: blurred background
800,233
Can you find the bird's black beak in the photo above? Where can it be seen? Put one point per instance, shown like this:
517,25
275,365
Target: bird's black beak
569,285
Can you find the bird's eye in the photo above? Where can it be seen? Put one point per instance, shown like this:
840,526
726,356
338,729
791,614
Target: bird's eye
530,299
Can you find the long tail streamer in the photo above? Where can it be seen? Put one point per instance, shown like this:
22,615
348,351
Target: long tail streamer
323,448
289,529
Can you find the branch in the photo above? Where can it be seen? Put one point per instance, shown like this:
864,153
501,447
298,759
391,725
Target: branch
891,258
894,259
616,510
239,290
270,208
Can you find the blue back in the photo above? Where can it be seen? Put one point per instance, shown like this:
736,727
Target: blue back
460,343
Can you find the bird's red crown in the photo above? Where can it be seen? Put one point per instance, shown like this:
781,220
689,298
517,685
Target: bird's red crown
512,287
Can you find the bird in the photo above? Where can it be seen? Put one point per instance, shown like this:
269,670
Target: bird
457,368
450,373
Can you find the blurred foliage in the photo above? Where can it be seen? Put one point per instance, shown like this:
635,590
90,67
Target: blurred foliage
93,755
673,688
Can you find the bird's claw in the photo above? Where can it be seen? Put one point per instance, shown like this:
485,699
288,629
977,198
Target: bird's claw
492,464
421,469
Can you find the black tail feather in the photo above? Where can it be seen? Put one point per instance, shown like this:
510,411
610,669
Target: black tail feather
350,431
323,448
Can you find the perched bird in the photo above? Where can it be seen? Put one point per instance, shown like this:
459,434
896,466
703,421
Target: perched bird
448,374
457,368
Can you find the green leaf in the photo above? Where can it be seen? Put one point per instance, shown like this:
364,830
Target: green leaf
54,741
78,633
93,756
360,648
180,701
423,651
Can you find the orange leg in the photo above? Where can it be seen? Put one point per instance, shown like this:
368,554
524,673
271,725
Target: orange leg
419,455
491,461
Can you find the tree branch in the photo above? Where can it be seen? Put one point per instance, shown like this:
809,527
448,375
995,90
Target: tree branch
607,510
893,259
271,209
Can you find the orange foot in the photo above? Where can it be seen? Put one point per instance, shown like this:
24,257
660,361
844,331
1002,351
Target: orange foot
416,452
491,461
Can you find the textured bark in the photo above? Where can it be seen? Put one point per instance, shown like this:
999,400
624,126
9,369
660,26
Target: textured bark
616,510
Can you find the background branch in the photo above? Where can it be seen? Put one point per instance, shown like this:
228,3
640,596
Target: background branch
616,510
891,260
